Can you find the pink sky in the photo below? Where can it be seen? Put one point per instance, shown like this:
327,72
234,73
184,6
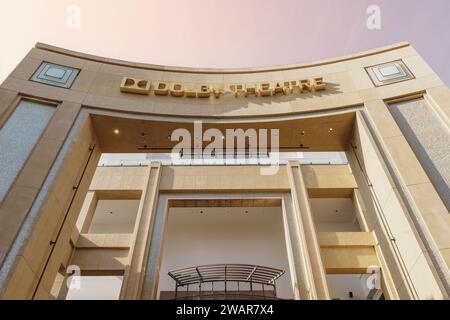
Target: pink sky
232,33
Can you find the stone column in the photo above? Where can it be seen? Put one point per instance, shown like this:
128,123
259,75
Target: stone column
52,171
300,199
135,273
411,136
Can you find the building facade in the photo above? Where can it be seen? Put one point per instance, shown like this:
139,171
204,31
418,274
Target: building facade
321,181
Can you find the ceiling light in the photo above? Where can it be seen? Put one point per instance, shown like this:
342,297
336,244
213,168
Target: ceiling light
116,131
331,130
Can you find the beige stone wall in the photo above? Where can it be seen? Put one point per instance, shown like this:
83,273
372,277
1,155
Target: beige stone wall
320,179
49,245
417,184
386,215
17,203
118,182
99,82
29,260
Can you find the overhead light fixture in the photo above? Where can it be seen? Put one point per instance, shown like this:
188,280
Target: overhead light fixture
116,131
303,133
330,130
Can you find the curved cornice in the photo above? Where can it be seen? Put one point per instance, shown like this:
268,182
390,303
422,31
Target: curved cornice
153,67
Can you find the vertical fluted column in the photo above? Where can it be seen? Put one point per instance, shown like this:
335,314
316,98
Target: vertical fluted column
134,274
300,199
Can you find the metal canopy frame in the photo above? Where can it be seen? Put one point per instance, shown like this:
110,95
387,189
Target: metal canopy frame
224,274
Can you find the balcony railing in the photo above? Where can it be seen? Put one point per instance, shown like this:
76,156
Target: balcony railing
226,281
281,158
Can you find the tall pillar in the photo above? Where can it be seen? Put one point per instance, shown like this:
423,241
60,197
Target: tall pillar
51,171
62,241
134,274
414,158
300,199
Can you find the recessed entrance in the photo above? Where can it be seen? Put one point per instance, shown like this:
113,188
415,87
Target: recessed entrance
225,235
240,217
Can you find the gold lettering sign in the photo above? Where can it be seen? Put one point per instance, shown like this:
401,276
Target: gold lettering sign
251,90
177,90
278,88
133,85
161,89
205,91
237,89
263,89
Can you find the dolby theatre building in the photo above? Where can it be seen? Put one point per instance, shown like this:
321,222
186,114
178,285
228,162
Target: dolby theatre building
122,180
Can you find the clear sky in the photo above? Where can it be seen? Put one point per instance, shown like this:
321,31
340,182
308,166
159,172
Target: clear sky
224,33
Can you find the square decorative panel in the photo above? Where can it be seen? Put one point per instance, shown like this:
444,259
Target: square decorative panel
55,75
388,73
